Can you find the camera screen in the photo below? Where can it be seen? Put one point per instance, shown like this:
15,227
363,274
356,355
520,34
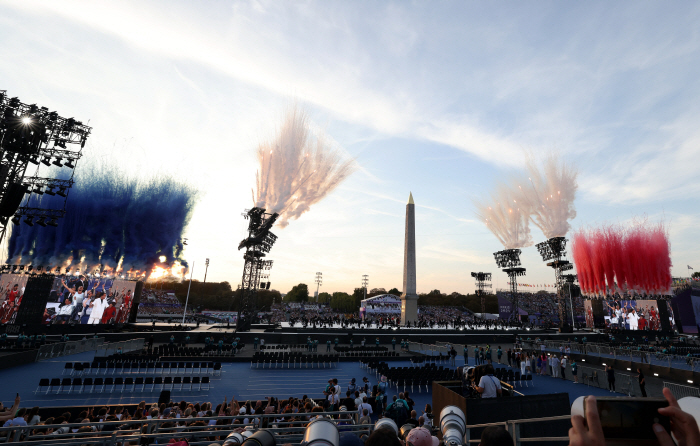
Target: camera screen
631,419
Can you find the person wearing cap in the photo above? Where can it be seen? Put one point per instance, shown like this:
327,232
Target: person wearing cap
352,387
420,436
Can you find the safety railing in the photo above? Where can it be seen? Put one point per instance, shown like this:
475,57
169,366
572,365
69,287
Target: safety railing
59,349
513,428
680,391
284,427
113,348
661,359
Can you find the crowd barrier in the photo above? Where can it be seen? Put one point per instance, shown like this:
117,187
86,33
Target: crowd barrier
116,433
59,349
653,358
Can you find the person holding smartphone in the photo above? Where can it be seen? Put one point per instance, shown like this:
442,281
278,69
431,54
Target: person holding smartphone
589,431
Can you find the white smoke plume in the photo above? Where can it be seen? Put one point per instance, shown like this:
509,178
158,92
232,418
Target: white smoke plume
506,218
549,194
297,168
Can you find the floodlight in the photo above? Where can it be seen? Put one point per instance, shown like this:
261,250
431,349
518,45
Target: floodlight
57,162
69,164
26,120
41,222
46,161
49,191
34,160
62,192
16,219
37,190
29,220
53,222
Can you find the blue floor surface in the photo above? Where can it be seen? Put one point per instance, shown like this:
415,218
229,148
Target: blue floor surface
239,380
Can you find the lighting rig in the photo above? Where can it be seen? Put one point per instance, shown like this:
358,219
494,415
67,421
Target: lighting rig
257,245
481,285
554,249
509,261
32,134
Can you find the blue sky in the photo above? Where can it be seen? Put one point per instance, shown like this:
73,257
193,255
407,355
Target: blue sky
438,98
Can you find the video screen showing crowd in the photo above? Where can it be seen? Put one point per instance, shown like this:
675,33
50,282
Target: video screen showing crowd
629,314
73,300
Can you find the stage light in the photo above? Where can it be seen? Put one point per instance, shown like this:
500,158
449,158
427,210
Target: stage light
57,162
162,259
46,161
53,222
69,164
16,219
604,364
690,381
321,432
49,191
41,222
452,425
38,191
34,160
26,120
656,374
62,192
29,220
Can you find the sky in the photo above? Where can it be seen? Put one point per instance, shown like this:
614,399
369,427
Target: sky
440,99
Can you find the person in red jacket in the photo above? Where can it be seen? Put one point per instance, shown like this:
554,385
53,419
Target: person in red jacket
109,313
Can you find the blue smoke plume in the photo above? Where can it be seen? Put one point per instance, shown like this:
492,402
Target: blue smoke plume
111,220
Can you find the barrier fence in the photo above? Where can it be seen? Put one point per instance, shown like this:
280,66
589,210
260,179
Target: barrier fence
661,359
98,345
112,348
58,349
114,433
680,391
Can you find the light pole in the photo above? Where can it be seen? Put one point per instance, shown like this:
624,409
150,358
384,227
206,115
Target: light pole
365,282
319,282
188,293
206,269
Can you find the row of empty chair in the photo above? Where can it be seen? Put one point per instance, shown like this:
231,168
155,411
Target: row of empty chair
156,368
120,384
291,360
513,377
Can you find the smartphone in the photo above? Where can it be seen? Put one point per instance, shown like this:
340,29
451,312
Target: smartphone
630,418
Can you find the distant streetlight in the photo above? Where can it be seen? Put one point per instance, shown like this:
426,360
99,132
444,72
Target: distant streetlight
206,269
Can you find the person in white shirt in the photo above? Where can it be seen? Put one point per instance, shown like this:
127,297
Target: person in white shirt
489,386
563,367
556,371
364,405
78,294
633,319
65,312
98,307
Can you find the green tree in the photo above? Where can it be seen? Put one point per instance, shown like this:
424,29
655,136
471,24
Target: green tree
394,291
299,293
324,298
696,275
343,302
358,295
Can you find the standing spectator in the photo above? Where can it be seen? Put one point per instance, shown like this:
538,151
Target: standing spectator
574,370
556,366
611,378
489,386
499,353
563,367
476,355
642,383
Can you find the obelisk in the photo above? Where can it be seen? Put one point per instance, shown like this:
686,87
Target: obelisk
409,298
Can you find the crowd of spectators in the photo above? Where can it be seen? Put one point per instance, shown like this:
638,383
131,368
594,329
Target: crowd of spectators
157,302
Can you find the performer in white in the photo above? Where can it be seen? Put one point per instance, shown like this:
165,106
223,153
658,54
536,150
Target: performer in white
633,319
98,307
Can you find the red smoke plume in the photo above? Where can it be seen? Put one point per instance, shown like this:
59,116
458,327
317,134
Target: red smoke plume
612,258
